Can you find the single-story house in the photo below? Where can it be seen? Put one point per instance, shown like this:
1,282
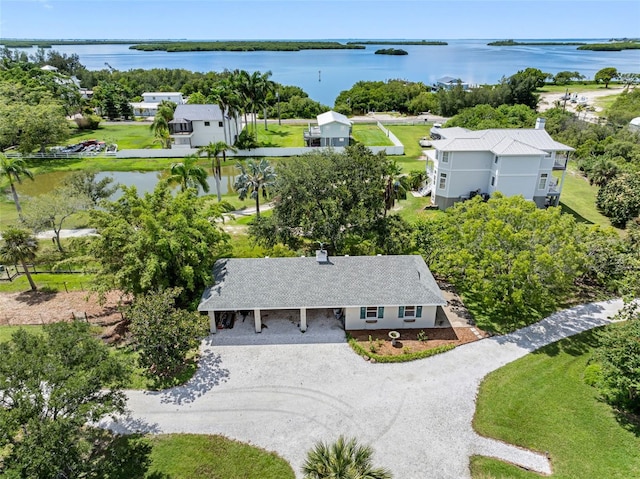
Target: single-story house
194,126
334,129
368,292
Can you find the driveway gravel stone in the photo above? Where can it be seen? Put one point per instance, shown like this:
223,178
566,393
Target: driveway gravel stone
417,415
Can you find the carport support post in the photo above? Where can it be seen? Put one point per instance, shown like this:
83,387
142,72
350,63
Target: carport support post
303,319
258,321
212,322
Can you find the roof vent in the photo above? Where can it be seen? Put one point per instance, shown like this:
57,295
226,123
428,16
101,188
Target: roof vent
540,122
321,256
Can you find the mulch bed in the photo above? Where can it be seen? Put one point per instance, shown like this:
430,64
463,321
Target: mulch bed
409,342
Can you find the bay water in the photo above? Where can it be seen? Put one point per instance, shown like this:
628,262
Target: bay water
323,74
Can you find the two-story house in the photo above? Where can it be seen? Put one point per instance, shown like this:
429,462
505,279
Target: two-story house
194,126
512,161
334,129
151,100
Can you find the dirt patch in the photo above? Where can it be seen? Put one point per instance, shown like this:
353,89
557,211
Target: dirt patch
38,307
413,340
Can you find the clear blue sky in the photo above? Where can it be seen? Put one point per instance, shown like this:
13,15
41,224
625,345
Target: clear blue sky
318,19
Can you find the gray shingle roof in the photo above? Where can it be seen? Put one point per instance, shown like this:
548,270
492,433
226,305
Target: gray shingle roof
280,283
197,112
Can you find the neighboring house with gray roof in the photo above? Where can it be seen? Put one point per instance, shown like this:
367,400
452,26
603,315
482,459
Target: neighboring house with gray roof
519,161
334,129
368,292
194,126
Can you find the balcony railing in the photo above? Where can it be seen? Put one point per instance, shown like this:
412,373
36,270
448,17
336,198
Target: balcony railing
560,164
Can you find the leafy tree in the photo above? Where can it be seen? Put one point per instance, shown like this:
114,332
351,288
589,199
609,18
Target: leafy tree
157,242
619,359
189,175
602,171
51,210
565,77
163,334
515,260
197,98
625,108
84,183
19,246
619,199
482,117
343,459
41,126
52,385
113,99
255,178
335,198
605,75
14,169
523,85
213,151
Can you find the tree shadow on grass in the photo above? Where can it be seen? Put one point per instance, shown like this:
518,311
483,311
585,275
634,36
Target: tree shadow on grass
579,218
574,345
628,421
31,298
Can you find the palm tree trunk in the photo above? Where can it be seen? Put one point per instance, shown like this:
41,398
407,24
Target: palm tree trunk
216,176
258,206
15,198
265,119
26,271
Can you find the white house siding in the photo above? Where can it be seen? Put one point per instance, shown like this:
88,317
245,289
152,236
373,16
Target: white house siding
390,319
203,134
159,97
335,134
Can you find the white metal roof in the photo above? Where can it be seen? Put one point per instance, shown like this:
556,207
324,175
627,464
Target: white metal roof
331,117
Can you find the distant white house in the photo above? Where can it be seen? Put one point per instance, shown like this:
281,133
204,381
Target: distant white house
334,129
365,292
150,101
513,161
449,83
194,126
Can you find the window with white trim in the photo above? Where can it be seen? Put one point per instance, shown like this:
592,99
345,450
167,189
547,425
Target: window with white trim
409,312
445,157
372,312
542,184
442,184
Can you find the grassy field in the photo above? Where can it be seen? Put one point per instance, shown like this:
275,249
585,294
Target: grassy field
126,136
281,135
579,198
409,136
7,331
190,456
53,282
577,87
370,134
541,402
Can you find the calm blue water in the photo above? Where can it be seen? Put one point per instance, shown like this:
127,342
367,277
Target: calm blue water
471,60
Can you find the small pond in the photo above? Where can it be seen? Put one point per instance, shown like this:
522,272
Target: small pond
144,181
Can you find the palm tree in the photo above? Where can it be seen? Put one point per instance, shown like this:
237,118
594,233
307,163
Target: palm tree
160,125
14,169
396,185
19,246
189,175
344,459
213,150
603,171
256,177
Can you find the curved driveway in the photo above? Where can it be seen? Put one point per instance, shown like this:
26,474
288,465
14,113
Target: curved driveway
417,415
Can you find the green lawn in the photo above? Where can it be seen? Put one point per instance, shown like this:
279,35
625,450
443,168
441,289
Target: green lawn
412,209
541,402
579,198
126,136
370,135
54,282
409,136
281,135
191,456
579,87
7,331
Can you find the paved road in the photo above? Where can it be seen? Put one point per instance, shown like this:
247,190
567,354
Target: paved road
416,415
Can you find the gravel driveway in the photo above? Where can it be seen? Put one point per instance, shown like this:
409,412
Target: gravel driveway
417,415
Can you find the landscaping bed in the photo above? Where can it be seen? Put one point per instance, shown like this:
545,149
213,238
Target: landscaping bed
411,340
